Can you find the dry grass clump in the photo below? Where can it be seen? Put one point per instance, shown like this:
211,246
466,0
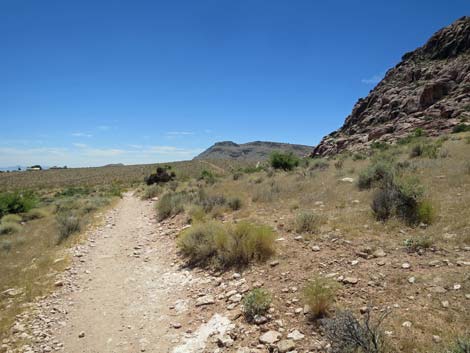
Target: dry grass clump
68,223
213,243
319,294
9,227
461,345
256,303
151,191
11,218
306,222
35,213
170,204
348,334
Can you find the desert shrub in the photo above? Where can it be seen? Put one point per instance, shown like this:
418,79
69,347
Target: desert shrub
209,202
256,302
197,214
319,164
267,193
347,334
358,157
467,140
379,145
284,161
68,223
466,168
462,345
378,172
9,227
319,294
151,191
114,190
419,132
339,164
11,218
306,222
207,176
73,191
460,128
170,204
402,198
237,175
35,213
16,202
160,176
235,203
416,244
94,203
213,243
424,150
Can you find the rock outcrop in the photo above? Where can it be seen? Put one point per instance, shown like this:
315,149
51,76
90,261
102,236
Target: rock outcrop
428,89
252,151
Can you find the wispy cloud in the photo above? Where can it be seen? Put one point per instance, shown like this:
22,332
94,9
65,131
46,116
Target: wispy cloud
374,79
104,127
81,134
179,133
80,154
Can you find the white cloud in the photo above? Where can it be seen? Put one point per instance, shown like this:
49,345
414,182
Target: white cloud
84,155
373,80
81,134
179,133
104,127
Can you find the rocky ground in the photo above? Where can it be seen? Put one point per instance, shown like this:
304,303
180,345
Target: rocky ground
127,290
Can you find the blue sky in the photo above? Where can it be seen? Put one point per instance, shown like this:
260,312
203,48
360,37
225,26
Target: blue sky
86,83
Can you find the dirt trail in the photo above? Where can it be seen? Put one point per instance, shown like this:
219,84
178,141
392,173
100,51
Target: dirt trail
123,292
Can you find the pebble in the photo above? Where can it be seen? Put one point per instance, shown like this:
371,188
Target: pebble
81,334
406,265
270,337
286,346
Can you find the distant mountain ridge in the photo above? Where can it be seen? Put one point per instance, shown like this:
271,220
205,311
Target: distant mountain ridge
251,151
428,89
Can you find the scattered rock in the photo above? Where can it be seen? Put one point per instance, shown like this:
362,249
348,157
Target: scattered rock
350,280
81,334
205,300
286,346
407,324
270,337
296,335
406,265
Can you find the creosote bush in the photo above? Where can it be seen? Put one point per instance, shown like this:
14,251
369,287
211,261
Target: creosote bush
376,173
348,334
256,303
306,222
284,161
170,204
213,243
319,294
151,191
16,202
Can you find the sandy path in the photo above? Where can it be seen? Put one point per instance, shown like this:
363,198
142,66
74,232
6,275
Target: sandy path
125,285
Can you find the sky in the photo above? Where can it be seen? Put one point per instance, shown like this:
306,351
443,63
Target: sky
87,83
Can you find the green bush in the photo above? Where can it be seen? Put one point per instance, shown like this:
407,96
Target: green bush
256,302
284,161
9,227
197,214
213,243
151,191
68,224
306,222
378,172
424,150
170,204
235,203
379,145
319,294
207,176
402,198
460,128
462,345
17,202
416,244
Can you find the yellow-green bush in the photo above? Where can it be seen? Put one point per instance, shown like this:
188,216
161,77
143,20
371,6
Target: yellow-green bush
9,227
256,302
306,222
213,243
319,294
11,218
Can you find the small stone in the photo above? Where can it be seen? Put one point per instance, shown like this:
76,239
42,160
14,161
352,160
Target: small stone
81,334
347,180
412,280
445,303
236,298
285,346
467,296
296,335
350,280
59,284
260,319
436,339
457,286
205,300
407,324
406,265
315,248
274,263
270,337
176,325
379,253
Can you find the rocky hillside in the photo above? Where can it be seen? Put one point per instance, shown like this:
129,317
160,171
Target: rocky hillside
428,89
251,151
